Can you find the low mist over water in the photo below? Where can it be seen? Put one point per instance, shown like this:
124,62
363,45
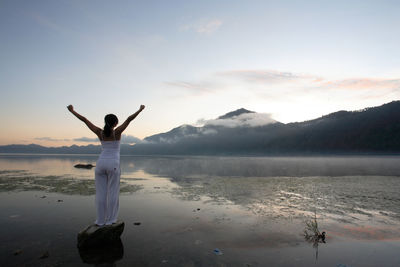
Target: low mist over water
267,166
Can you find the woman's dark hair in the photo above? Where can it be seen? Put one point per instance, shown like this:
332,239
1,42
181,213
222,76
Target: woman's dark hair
110,121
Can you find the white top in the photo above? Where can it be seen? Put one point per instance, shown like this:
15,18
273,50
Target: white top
110,149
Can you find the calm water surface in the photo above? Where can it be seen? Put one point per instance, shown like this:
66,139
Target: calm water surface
254,210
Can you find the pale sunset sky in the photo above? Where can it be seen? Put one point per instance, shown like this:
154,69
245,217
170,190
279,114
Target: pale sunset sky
189,61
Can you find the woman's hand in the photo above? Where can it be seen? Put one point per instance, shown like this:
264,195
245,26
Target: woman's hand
123,126
91,126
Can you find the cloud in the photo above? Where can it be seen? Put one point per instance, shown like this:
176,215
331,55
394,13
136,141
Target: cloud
41,20
267,76
125,139
205,26
50,139
188,85
210,26
278,77
86,139
130,139
196,88
247,79
242,120
364,83
283,85
185,131
289,96
208,131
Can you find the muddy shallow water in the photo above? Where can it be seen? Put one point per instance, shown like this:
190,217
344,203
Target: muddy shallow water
253,210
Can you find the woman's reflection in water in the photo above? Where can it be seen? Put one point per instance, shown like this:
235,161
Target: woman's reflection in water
106,255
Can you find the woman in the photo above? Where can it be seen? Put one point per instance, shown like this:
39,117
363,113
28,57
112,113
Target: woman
107,173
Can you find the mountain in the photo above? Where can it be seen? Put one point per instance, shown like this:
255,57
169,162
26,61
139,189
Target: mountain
244,132
173,136
371,130
235,113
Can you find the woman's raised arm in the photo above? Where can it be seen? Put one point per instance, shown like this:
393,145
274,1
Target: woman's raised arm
122,127
91,126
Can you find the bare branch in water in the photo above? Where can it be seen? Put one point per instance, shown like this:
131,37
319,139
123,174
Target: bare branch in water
313,235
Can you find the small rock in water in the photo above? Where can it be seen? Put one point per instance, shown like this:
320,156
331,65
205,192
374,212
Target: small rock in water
17,252
84,166
44,255
95,236
137,223
218,252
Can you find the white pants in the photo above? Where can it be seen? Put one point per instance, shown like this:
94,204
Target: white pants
107,176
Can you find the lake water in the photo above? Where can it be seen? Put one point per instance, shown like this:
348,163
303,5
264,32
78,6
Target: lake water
252,209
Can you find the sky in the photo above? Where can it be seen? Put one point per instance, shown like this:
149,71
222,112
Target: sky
188,62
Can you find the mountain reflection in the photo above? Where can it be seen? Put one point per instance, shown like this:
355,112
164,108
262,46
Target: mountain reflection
344,189
183,167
